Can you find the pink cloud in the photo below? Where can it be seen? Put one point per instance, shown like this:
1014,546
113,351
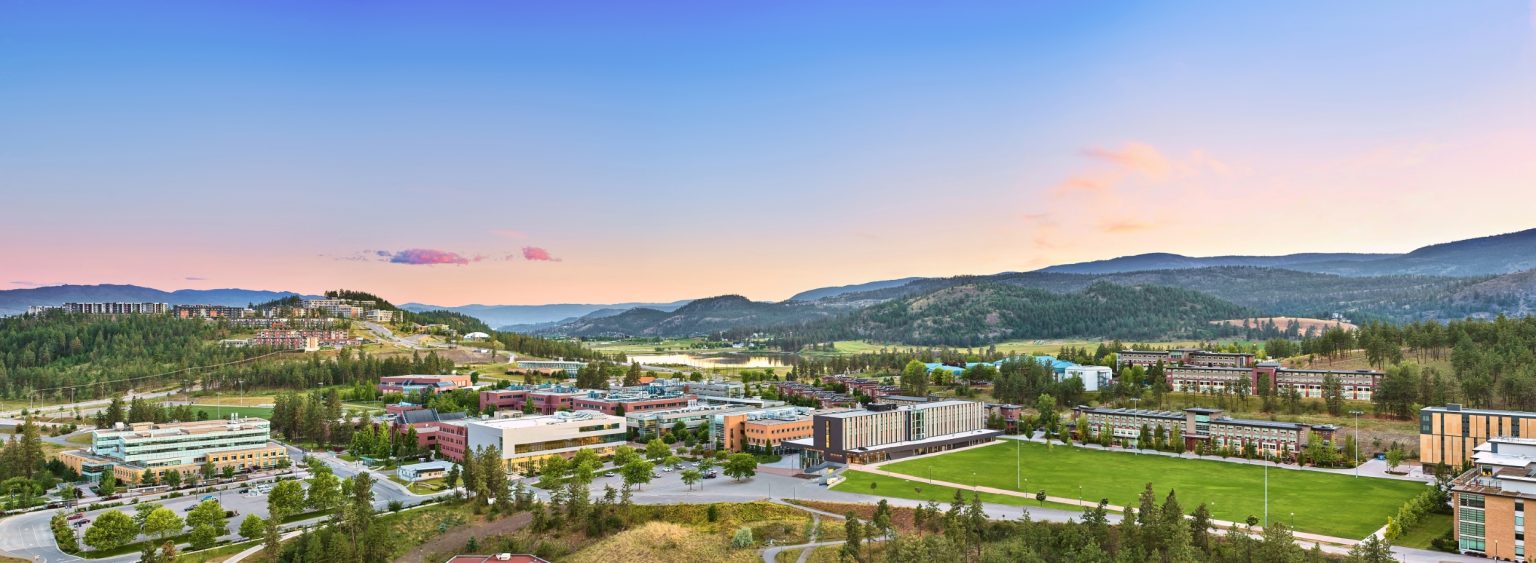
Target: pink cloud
1139,157
1084,183
1124,226
427,257
538,254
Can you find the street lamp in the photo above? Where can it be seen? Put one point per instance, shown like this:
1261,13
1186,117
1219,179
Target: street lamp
1357,441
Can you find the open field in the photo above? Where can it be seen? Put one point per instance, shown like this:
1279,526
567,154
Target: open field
643,347
1324,503
237,400
1305,324
859,482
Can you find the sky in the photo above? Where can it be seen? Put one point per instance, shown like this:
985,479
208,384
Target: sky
600,152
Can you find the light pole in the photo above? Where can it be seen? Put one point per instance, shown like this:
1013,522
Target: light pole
1266,496
1357,441
1016,466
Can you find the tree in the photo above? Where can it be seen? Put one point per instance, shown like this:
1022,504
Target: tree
452,478
171,477
162,523
252,526
1046,405
496,482
636,473
853,532
1040,497
324,487
741,466
1394,457
111,530
632,377
63,534
204,536
622,455
691,477
1200,528
914,378
656,449
286,499
1333,394
882,518
108,484
1372,550
207,513
208,470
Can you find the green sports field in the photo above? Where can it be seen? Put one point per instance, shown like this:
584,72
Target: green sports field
1323,503
223,411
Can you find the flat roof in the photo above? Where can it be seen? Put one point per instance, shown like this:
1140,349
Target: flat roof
532,421
1459,408
919,406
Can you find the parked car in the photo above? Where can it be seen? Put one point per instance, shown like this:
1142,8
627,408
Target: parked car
77,515
608,473
711,475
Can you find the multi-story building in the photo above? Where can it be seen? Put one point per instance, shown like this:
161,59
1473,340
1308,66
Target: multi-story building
824,399
130,451
211,312
418,383
528,439
649,424
103,308
717,389
301,339
1182,356
570,367
426,422
1094,378
764,430
1449,434
623,402
546,399
379,315
1196,425
1489,500
1202,379
883,432
1356,385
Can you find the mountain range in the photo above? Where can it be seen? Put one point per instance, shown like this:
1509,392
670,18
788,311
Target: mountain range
1125,297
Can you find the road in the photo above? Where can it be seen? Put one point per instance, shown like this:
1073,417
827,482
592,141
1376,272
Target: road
96,404
412,341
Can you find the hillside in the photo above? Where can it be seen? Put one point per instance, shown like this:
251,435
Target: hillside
16,301
1491,255
825,292
979,313
504,316
703,316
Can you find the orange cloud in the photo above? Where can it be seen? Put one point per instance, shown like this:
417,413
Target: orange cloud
1127,225
1084,183
1138,157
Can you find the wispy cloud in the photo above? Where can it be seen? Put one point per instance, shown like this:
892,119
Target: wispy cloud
537,254
427,257
1127,225
20,282
195,278
1137,157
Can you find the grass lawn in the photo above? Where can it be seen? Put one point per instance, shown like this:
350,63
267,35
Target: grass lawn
1050,346
1324,503
237,400
82,439
1433,526
219,411
859,482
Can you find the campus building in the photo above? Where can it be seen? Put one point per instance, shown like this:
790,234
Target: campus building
103,308
1182,356
883,432
129,451
618,403
570,367
1449,434
1201,379
763,430
301,339
211,312
1196,425
650,424
1489,500
1356,385
426,422
433,384
528,439
717,389
1094,378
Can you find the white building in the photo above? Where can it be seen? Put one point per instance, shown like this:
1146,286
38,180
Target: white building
527,439
1093,377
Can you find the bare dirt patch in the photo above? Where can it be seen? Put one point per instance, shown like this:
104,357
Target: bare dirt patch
1316,325
454,540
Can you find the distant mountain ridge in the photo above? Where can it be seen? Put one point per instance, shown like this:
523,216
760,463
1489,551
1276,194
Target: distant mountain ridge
1491,255
16,301
522,316
824,292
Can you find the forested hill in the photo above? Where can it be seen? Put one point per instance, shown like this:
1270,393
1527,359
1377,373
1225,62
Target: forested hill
703,316
979,313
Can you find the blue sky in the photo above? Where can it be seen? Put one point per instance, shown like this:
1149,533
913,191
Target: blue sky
675,150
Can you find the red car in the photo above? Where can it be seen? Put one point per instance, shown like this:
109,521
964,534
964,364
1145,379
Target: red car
76,516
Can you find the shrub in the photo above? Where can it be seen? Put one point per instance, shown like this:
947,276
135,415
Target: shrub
742,538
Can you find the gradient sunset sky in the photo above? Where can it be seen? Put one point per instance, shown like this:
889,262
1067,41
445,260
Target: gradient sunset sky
539,152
